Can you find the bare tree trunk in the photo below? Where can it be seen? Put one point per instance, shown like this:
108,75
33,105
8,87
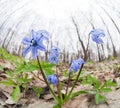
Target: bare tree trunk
113,46
112,20
80,40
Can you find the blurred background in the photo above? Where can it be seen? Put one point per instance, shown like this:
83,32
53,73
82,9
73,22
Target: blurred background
68,23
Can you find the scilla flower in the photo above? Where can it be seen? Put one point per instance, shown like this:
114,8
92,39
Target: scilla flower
52,79
96,35
53,59
54,53
76,65
35,42
55,50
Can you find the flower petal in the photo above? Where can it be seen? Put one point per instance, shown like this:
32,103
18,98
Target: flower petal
53,59
43,33
27,50
52,79
80,61
97,40
41,47
33,35
96,34
76,65
55,50
26,41
34,52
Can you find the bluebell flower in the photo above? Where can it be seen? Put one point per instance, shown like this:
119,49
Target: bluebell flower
80,61
52,79
53,58
76,65
96,35
55,50
54,53
35,42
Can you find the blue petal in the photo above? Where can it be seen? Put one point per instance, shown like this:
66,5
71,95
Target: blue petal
26,41
76,65
41,47
53,59
55,50
34,52
33,35
97,40
52,79
40,40
80,61
43,33
98,32
27,50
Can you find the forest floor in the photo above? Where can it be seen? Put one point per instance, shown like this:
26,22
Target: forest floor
109,69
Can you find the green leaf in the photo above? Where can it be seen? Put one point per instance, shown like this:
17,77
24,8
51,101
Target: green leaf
90,80
37,90
79,92
10,74
65,73
106,89
8,82
97,98
57,106
104,98
19,81
16,93
96,85
26,67
109,83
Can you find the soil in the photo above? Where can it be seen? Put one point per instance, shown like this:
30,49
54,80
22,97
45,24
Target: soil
103,71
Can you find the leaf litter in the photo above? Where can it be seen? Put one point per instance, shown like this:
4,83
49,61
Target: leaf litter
103,71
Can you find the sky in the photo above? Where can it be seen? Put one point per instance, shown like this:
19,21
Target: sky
18,17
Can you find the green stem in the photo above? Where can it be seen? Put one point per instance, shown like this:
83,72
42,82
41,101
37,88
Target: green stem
58,86
75,81
67,85
46,79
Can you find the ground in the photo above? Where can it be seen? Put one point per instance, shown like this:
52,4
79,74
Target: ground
109,69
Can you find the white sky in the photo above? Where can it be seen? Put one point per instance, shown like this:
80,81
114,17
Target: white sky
55,16
59,8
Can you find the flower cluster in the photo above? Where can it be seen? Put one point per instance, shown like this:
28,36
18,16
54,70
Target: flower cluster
35,42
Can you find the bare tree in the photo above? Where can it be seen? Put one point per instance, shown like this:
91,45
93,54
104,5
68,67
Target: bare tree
80,40
113,46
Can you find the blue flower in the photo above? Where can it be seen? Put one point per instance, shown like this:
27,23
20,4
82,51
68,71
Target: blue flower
54,53
52,79
55,50
80,61
53,59
35,42
96,35
76,65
